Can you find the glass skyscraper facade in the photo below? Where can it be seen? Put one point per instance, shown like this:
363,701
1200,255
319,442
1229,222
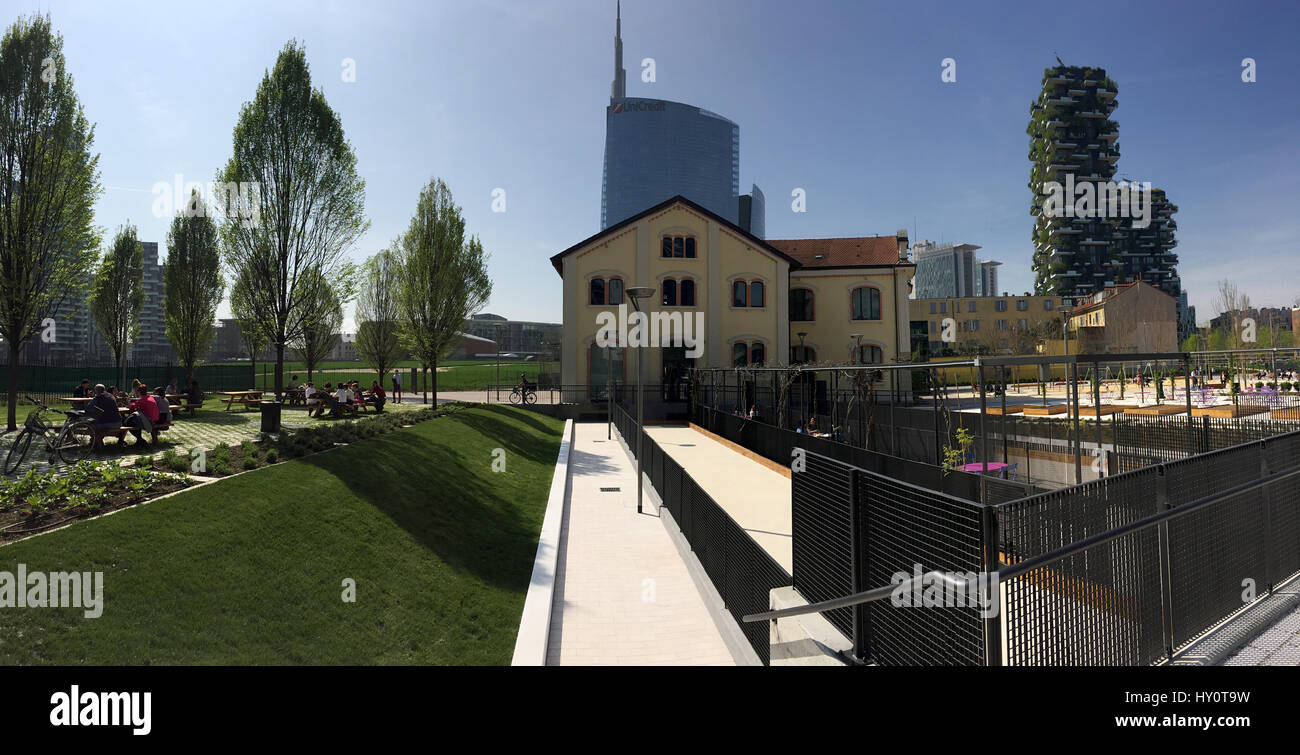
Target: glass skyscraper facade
656,149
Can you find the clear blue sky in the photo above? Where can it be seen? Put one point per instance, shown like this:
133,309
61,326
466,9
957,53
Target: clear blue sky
842,99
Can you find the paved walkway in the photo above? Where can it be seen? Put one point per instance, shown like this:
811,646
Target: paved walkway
623,594
1278,645
757,497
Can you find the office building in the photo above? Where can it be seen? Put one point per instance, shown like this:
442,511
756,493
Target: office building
997,325
952,271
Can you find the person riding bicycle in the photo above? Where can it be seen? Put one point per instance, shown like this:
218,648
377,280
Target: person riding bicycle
524,386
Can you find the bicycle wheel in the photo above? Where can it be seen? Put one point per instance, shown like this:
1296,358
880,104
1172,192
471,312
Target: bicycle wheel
76,442
515,398
530,397
18,451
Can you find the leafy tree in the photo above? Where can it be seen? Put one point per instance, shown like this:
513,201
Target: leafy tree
307,211
192,284
49,181
251,333
117,296
320,334
444,278
379,338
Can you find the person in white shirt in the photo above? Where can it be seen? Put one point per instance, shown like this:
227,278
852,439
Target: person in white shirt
343,399
313,401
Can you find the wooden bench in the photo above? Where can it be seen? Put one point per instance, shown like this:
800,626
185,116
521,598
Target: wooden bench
120,433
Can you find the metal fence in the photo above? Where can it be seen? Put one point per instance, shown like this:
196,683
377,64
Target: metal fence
1145,441
742,572
52,382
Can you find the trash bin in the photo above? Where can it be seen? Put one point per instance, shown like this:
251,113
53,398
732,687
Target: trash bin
270,416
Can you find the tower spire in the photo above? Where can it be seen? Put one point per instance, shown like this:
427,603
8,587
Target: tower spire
618,88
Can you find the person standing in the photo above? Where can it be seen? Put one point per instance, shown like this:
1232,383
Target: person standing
397,386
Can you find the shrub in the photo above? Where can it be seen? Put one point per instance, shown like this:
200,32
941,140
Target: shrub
144,462
272,455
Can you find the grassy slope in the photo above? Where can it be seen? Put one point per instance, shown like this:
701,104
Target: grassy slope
249,570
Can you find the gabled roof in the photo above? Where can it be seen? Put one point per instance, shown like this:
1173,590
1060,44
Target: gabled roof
556,261
1112,293
860,251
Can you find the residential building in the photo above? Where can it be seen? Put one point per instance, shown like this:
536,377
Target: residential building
1072,141
516,336
986,325
757,302
1127,319
151,345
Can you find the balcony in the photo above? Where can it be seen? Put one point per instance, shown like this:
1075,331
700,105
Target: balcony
1106,94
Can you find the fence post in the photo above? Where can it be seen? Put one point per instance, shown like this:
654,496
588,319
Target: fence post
1166,570
1267,500
993,621
861,645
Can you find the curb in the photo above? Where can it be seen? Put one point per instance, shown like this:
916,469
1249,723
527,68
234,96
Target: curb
534,634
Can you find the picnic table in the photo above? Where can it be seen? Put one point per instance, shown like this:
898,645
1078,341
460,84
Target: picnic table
248,398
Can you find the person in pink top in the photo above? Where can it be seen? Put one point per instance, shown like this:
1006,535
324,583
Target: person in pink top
144,413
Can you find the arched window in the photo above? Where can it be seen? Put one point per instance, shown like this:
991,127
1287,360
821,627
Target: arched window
739,353
670,293
757,353
739,294
866,303
748,352
597,294
802,354
688,292
677,246
801,305
756,294
615,291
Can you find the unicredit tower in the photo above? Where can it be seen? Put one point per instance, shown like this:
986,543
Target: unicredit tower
656,149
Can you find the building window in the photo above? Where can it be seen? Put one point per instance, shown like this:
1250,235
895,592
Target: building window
972,325
739,294
970,306
597,293
1002,324
934,307
1022,305
1000,305
670,293
615,291
868,354
1022,324
801,305
802,354
943,307
677,292
678,246
1048,304
756,294
748,352
688,292
866,303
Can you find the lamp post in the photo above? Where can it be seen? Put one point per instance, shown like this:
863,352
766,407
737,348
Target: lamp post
803,359
498,383
636,294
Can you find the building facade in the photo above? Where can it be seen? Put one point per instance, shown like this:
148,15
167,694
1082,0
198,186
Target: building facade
516,336
953,271
983,325
737,292
1132,318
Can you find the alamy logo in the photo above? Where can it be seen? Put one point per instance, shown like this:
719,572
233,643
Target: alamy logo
53,590
77,708
650,329
230,200
1098,199
939,589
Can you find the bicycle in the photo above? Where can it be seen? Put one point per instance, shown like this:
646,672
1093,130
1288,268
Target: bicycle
72,442
525,395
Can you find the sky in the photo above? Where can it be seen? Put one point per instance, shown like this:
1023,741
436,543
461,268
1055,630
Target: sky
841,99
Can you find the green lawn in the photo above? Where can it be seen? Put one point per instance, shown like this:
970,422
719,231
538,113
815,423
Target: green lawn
248,570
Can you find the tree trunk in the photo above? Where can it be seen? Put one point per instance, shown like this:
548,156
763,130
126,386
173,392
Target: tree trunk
424,381
13,385
189,373
279,370
434,379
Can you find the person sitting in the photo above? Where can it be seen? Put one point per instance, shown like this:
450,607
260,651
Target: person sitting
144,415
812,425
194,395
310,398
751,412
172,389
83,390
342,401
103,408
164,406
377,396
293,383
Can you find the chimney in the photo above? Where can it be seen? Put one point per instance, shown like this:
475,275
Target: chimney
902,244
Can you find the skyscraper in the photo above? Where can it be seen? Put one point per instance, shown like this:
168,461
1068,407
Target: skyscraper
151,345
1072,141
952,271
657,149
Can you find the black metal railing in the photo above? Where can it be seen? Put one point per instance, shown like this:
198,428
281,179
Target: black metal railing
743,573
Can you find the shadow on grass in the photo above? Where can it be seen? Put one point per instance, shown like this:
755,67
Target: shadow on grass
447,501
507,436
526,416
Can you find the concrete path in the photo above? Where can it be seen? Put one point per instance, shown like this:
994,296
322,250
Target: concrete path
1277,645
623,594
757,497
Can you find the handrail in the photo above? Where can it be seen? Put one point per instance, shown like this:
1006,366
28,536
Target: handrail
1029,564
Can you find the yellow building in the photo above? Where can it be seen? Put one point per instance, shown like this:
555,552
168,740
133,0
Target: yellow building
986,324
730,293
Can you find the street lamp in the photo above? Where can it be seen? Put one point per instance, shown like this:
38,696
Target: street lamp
636,294
803,353
498,331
